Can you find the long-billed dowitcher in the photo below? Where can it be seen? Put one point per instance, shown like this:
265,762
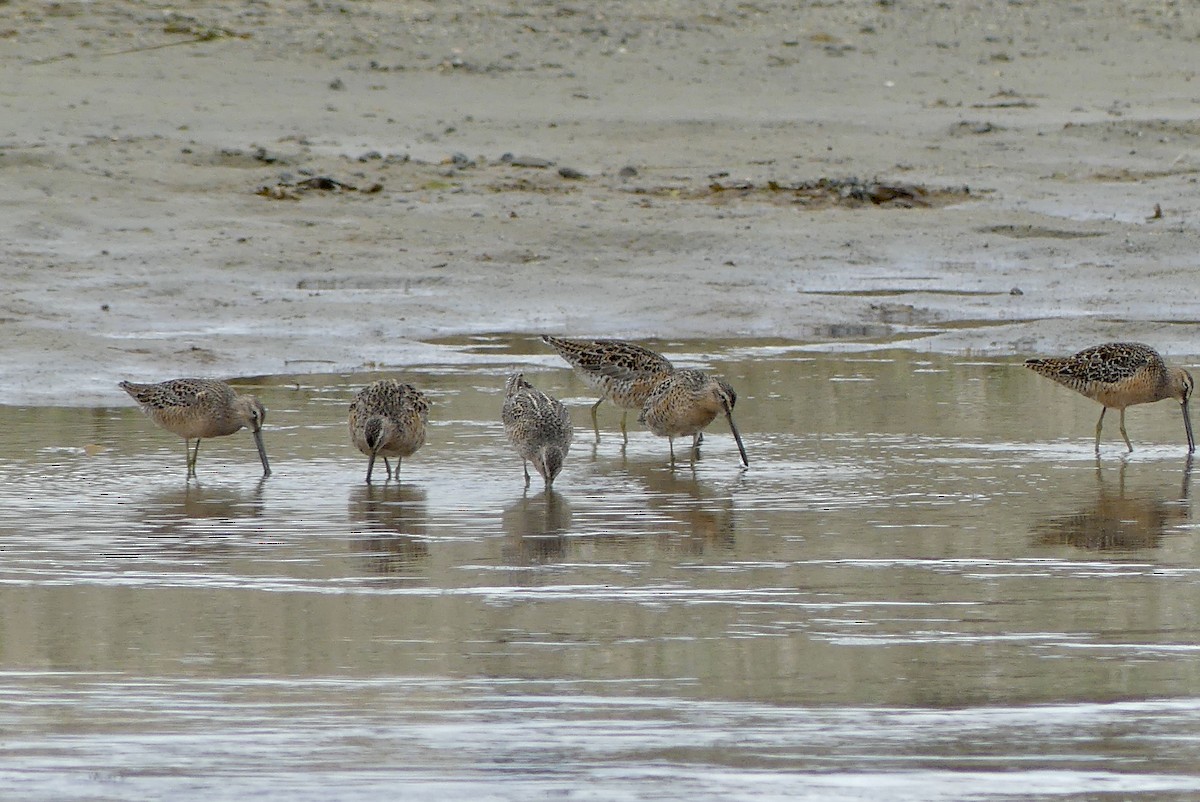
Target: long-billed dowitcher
1119,375
388,419
685,402
200,408
538,426
624,373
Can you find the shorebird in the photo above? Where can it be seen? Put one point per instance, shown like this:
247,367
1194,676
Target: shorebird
200,408
388,419
624,373
538,426
684,403
1119,375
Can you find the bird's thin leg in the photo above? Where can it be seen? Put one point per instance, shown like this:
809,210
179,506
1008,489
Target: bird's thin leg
671,445
370,466
387,465
624,426
595,420
525,467
1099,426
697,439
192,459
1128,444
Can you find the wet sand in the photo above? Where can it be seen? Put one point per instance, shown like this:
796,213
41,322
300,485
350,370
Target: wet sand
665,180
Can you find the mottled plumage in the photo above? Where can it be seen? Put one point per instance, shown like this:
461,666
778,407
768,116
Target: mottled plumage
624,373
200,408
538,426
388,419
1119,375
685,402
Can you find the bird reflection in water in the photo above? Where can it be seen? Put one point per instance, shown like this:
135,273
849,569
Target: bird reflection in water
535,528
694,517
196,510
175,508
1118,519
395,518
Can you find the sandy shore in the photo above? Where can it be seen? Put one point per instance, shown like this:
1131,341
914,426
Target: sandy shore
998,177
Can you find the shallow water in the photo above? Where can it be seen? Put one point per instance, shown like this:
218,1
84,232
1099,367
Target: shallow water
925,586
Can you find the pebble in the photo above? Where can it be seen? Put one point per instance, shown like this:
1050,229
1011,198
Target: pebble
526,161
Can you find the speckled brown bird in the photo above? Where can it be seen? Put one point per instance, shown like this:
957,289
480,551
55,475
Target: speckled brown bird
388,419
685,402
538,426
624,373
1119,375
200,408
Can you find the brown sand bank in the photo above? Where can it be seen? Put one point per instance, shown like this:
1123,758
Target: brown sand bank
963,176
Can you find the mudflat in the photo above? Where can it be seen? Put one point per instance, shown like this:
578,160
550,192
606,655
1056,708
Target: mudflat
231,189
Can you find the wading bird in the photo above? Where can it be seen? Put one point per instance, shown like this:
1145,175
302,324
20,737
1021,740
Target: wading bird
388,419
624,373
538,426
1119,375
200,408
684,403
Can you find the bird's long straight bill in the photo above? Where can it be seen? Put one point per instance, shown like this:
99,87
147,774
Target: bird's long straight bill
262,453
738,438
1187,425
